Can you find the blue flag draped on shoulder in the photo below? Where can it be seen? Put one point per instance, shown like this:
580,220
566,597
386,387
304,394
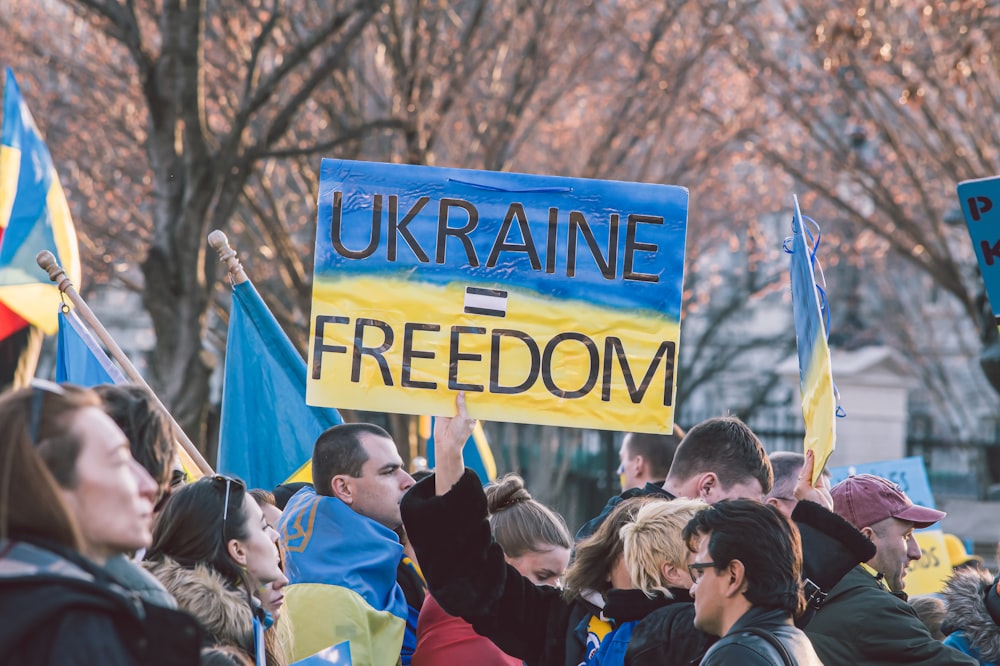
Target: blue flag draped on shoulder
267,430
34,216
820,402
342,586
79,357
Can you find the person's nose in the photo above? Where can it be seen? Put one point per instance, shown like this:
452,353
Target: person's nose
144,482
406,481
913,549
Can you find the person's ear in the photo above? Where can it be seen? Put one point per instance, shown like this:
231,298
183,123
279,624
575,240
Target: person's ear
675,576
736,573
237,552
707,484
638,465
773,501
341,488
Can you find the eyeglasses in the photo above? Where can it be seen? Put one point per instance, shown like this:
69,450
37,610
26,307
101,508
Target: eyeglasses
697,570
39,389
228,482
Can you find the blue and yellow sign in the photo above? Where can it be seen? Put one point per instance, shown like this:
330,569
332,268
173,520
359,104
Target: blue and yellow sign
547,300
980,201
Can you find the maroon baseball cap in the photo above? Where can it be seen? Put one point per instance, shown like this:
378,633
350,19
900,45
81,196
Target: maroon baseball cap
865,499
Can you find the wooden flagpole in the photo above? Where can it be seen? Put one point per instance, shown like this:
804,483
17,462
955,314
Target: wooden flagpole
56,273
227,254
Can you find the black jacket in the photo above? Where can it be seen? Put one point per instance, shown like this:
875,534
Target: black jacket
667,637
742,645
467,575
59,608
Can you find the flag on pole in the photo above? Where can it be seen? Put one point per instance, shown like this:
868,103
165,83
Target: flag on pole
476,453
34,216
81,360
79,357
267,431
819,396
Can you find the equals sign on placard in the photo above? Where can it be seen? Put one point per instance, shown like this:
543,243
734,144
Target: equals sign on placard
491,302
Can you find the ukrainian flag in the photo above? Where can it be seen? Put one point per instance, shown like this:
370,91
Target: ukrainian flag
819,398
34,216
267,429
342,586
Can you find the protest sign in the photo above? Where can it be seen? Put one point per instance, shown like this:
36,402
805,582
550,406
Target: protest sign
980,200
547,300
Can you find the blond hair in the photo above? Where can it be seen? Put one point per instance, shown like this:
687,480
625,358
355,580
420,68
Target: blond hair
653,539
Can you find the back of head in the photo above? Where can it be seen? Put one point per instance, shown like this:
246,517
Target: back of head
190,529
145,426
519,523
596,555
764,540
339,450
931,611
786,466
224,655
727,447
656,450
38,453
654,538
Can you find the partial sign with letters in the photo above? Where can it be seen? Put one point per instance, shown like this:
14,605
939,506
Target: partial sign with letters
547,300
980,200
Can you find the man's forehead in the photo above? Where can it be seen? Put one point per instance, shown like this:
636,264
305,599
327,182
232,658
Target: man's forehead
381,450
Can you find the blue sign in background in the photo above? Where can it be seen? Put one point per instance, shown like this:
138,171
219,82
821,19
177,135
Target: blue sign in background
909,474
491,193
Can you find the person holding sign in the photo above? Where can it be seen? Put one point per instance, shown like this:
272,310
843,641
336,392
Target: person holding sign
864,620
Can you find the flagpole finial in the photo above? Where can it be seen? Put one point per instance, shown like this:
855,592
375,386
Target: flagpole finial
227,254
47,261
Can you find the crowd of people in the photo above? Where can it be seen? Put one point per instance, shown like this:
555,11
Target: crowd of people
714,553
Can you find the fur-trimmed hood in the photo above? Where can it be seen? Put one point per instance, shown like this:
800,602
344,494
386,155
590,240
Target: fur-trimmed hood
221,609
967,612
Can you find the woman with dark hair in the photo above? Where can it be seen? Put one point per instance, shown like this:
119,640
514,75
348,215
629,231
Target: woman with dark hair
133,409
212,549
70,490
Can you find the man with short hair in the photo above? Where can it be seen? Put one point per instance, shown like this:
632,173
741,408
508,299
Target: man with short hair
645,458
864,619
343,555
720,458
746,588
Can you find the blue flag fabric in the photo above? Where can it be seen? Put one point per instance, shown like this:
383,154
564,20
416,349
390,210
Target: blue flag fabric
267,431
79,358
342,585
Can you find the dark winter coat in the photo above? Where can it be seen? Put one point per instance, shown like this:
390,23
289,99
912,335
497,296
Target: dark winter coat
467,574
667,637
60,609
863,623
742,645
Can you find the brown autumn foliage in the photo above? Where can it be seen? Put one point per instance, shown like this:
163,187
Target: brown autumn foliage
169,119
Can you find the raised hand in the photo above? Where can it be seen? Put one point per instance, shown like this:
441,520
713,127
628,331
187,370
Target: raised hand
450,435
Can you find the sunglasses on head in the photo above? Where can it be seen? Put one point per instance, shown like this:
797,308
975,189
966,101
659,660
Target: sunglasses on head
39,389
227,483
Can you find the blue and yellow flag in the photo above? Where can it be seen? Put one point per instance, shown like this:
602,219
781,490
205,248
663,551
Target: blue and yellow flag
80,359
477,453
34,216
267,430
341,570
819,397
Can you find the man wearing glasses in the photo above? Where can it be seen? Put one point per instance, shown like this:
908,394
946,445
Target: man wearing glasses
746,586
